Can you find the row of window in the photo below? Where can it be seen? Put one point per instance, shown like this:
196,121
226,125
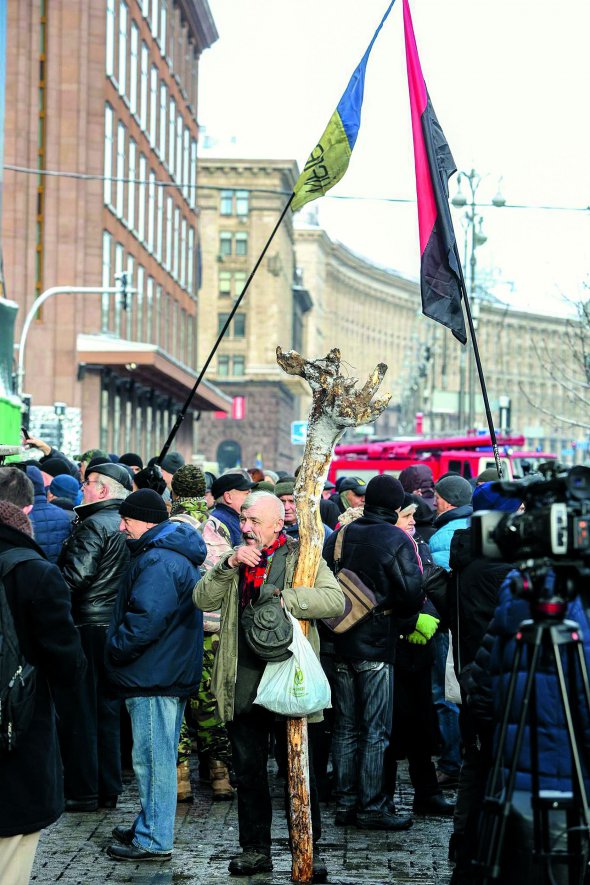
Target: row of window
237,328
233,243
150,100
231,366
145,206
234,203
151,314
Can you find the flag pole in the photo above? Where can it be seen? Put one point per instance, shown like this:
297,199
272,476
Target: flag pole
183,411
482,382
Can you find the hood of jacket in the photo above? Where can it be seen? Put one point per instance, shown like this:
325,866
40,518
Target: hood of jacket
170,535
450,515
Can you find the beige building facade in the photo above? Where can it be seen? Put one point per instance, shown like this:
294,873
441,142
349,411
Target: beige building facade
312,294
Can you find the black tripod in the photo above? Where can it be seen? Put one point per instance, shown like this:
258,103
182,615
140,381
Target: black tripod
545,640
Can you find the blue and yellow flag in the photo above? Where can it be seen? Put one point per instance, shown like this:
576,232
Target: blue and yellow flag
329,159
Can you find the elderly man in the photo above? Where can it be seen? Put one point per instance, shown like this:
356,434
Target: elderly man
154,654
266,555
93,561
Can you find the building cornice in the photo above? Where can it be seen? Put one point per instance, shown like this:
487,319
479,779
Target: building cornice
200,22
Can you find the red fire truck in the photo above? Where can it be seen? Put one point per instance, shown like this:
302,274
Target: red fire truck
467,455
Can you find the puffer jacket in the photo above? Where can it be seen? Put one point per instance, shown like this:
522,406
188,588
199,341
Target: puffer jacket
446,525
384,558
155,642
94,561
489,678
51,524
218,588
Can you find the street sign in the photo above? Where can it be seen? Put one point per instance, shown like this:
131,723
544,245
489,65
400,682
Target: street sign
298,433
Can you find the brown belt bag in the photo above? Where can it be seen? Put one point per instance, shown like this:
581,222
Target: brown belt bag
359,600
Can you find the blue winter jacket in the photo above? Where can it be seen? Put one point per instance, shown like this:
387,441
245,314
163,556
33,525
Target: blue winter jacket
446,525
51,524
554,749
155,641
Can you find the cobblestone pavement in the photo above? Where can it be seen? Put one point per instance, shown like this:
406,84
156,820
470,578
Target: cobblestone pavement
73,850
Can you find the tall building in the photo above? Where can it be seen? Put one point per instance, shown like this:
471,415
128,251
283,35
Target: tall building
311,294
101,147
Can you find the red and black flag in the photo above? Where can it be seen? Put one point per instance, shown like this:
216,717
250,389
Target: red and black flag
440,272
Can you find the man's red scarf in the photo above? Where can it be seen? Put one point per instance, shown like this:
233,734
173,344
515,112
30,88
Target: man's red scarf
253,576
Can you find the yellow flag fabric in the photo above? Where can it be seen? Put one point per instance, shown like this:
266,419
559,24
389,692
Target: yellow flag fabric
326,165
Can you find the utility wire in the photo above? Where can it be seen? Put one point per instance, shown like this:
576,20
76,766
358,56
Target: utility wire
85,176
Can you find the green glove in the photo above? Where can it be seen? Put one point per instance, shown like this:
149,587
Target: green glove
416,638
427,625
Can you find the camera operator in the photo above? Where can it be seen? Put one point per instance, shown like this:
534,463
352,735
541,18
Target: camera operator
472,595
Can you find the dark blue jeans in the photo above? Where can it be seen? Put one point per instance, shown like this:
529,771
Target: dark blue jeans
363,704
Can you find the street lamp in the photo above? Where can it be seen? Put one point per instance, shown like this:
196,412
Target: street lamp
474,237
121,289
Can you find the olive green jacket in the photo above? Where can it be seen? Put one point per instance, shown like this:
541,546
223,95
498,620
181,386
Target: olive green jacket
218,588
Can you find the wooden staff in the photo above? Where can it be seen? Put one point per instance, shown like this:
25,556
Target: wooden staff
336,406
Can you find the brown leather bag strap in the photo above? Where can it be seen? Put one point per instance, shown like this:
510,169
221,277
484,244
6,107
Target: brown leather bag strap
338,547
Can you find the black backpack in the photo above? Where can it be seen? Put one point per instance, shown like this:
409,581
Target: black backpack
17,677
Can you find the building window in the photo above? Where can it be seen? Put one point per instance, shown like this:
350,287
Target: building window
175,322
110,39
133,67
122,73
143,90
121,133
242,203
182,337
119,258
238,366
186,158
225,243
139,301
158,317
160,223
151,210
154,18
190,260
131,299
239,282
178,164
163,23
171,135
193,175
183,253
163,120
241,239
108,154
145,8
225,278
141,189
131,184
226,203
239,324
106,280
222,319
190,360
176,242
149,308
153,105
223,366
169,207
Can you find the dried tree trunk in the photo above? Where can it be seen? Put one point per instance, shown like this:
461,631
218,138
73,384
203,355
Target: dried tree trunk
336,406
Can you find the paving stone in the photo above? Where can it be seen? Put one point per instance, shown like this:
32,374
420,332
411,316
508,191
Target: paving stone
73,850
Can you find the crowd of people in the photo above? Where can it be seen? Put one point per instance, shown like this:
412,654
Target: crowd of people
128,591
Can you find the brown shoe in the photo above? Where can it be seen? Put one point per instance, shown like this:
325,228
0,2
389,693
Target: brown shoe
220,785
184,792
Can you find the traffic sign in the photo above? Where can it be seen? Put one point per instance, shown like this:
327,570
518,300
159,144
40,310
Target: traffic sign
298,432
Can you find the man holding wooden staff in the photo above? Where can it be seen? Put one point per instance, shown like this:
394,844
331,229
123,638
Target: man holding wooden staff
267,557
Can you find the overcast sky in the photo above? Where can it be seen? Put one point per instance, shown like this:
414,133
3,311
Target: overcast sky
508,79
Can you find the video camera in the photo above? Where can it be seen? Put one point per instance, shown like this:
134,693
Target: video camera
555,524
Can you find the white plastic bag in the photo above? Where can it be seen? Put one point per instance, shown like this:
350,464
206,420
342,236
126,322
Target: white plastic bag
298,686
452,690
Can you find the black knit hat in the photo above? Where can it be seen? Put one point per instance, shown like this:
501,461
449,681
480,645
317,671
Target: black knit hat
131,459
145,505
384,491
189,482
54,467
455,490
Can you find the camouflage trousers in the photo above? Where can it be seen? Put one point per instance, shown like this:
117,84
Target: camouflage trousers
211,735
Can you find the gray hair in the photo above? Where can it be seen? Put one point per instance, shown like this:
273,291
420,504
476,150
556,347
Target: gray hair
255,497
114,488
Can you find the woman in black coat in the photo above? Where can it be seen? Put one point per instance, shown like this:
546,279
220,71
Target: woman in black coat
31,775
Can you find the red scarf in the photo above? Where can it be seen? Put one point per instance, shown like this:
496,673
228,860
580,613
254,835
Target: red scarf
253,576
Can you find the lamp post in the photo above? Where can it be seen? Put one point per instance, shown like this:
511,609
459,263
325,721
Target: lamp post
474,238
121,289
